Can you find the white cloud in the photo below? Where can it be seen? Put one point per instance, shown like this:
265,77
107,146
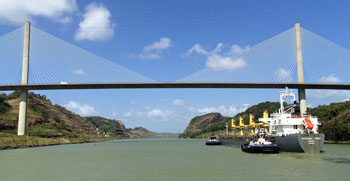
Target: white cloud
163,44
236,49
225,111
96,25
333,94
219,61
331,79
283,75
156,113
148,114
153,113
197,49
128,114
178,102
83,110
154,50
218,48
78,72
16,12
191,109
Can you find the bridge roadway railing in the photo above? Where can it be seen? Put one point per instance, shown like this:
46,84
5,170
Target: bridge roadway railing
172,85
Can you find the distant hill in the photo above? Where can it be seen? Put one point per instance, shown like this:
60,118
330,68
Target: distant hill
108,126
171,135
207,123
202,126
140,132
335,120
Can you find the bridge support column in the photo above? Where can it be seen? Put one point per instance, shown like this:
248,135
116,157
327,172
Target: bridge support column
22,117
301,92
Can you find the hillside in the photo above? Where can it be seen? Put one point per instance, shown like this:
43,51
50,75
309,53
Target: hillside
44,118
140,132
335,120
116,128
108,126
50,124
202,126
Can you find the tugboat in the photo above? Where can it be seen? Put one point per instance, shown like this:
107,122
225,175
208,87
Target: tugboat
260,144
213,141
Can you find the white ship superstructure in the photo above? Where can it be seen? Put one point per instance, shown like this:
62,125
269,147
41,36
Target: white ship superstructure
290,121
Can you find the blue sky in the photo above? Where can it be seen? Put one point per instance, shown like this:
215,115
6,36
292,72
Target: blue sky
166,40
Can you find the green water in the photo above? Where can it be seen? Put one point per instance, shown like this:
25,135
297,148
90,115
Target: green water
169,159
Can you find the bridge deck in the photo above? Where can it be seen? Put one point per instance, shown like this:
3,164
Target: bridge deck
172,85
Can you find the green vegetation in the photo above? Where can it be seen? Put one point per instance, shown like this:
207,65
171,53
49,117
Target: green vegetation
108,126
209,128
4,107
335,120
257,111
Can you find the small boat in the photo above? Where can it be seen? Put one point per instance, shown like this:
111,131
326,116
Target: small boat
212,141
260,144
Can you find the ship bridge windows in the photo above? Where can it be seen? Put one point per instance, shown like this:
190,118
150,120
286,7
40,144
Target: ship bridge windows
295,126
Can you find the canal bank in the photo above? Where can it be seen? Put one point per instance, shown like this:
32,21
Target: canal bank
10,141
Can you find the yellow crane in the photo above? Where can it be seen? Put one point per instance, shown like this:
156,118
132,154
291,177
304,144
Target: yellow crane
251,125
262,124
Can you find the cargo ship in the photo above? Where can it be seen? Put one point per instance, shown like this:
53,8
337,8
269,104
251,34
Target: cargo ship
288,128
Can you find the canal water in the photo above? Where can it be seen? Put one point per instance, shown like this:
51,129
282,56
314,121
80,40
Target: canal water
169,159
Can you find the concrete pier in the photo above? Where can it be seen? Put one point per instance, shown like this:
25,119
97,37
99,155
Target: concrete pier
22,118
301,92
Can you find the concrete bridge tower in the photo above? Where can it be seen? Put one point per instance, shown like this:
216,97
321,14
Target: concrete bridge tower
22,118
301,91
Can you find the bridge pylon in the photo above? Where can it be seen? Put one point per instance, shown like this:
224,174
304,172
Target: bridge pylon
301,91
22,117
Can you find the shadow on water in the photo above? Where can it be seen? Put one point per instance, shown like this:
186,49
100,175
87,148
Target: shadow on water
338,160
323,156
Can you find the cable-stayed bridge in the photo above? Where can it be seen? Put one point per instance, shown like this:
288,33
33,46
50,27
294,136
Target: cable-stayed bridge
56,64
45,62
